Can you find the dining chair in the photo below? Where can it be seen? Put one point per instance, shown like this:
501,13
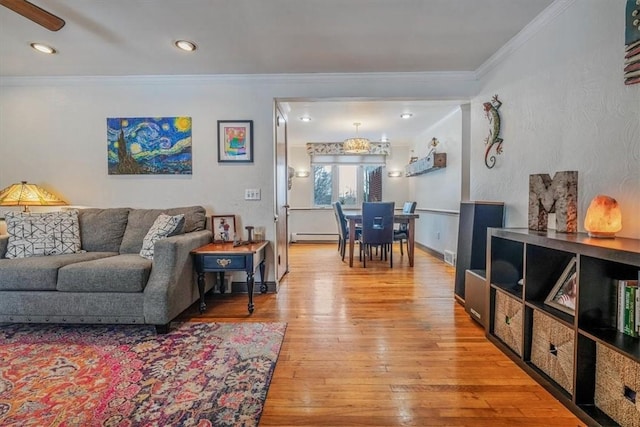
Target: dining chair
377,229
343,229
402,234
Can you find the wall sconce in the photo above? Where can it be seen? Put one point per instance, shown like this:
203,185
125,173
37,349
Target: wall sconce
302,174
394,174
604,218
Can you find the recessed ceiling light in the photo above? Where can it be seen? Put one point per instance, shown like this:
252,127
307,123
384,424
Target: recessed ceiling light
305,118
406,115
186,45
43,48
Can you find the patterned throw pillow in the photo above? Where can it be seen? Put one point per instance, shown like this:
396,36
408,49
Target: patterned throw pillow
39,234
164,226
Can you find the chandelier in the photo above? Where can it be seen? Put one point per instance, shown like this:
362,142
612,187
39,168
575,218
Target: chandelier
356,145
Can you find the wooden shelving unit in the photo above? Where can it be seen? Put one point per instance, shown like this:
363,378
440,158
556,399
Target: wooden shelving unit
523,266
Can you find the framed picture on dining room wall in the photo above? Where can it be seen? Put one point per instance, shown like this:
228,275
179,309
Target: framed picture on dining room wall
223,228
235,141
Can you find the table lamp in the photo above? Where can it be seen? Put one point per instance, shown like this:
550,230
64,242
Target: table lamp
26,195
603,218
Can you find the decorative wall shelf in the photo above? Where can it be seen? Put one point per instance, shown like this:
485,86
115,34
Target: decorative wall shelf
430,163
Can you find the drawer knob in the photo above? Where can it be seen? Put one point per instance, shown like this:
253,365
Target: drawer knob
223,262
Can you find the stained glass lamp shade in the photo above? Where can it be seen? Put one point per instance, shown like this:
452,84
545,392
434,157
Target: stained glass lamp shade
26,195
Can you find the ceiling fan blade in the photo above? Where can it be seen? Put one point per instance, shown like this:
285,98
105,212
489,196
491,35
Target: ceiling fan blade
36,14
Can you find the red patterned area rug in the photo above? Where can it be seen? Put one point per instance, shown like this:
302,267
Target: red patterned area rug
199,374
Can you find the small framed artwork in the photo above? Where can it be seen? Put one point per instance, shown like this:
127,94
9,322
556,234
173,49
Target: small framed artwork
235,141
564,292
223,227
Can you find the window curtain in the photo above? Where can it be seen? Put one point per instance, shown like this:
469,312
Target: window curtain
374,185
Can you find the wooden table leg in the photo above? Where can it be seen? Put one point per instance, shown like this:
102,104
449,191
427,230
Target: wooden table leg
352,239
263,284
203,306
250,282
411,240
221,282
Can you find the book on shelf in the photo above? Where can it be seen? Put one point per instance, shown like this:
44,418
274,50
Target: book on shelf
628,307
630,310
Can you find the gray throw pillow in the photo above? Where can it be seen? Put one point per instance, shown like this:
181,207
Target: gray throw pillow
163,227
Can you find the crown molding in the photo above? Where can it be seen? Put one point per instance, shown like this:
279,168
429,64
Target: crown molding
418,77
534,27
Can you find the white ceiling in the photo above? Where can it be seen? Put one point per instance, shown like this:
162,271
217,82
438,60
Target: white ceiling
135,37
333,121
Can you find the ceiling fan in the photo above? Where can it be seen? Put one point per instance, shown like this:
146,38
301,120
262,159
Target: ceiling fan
36,14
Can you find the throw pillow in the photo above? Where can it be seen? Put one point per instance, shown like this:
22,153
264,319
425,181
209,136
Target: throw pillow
39,234
163,227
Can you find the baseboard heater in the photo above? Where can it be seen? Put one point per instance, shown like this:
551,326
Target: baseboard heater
314,237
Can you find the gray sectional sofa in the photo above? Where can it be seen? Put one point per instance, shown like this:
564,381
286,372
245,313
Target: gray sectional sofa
107,281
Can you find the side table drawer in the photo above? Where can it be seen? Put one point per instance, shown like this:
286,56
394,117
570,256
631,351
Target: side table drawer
224,262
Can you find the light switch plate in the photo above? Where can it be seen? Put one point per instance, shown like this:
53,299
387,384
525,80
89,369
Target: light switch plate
252,194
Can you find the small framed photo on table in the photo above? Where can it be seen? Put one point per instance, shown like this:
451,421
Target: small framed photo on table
223,227
235,141
564,292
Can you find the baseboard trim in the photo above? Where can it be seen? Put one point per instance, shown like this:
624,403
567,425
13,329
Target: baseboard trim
431,251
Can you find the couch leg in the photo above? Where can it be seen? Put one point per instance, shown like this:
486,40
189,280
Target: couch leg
162,329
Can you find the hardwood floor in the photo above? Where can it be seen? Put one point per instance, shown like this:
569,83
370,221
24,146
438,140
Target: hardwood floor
384,347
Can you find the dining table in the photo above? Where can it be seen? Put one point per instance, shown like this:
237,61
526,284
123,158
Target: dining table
354,218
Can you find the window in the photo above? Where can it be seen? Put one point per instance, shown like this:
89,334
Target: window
349,184
322,185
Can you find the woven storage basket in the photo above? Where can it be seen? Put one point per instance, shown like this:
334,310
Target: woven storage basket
617,380
552,349
508,321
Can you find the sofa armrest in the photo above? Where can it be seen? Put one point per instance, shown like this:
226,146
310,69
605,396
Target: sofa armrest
172,287
4,241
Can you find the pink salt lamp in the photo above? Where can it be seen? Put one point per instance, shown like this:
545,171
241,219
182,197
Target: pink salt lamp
604,218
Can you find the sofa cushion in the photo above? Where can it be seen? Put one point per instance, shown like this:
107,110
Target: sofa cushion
39,234
101,230
163,227
122,273
39,273
141,220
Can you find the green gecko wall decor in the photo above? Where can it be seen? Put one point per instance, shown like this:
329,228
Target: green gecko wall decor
491,111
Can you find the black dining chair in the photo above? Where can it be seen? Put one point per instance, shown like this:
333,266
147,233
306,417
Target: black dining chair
343,229
402,234
377,229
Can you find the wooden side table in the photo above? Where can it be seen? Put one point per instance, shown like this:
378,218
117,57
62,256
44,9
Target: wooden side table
223,257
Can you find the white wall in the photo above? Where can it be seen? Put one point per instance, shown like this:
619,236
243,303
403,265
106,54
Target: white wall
301,193
53,132
565,107
438,193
